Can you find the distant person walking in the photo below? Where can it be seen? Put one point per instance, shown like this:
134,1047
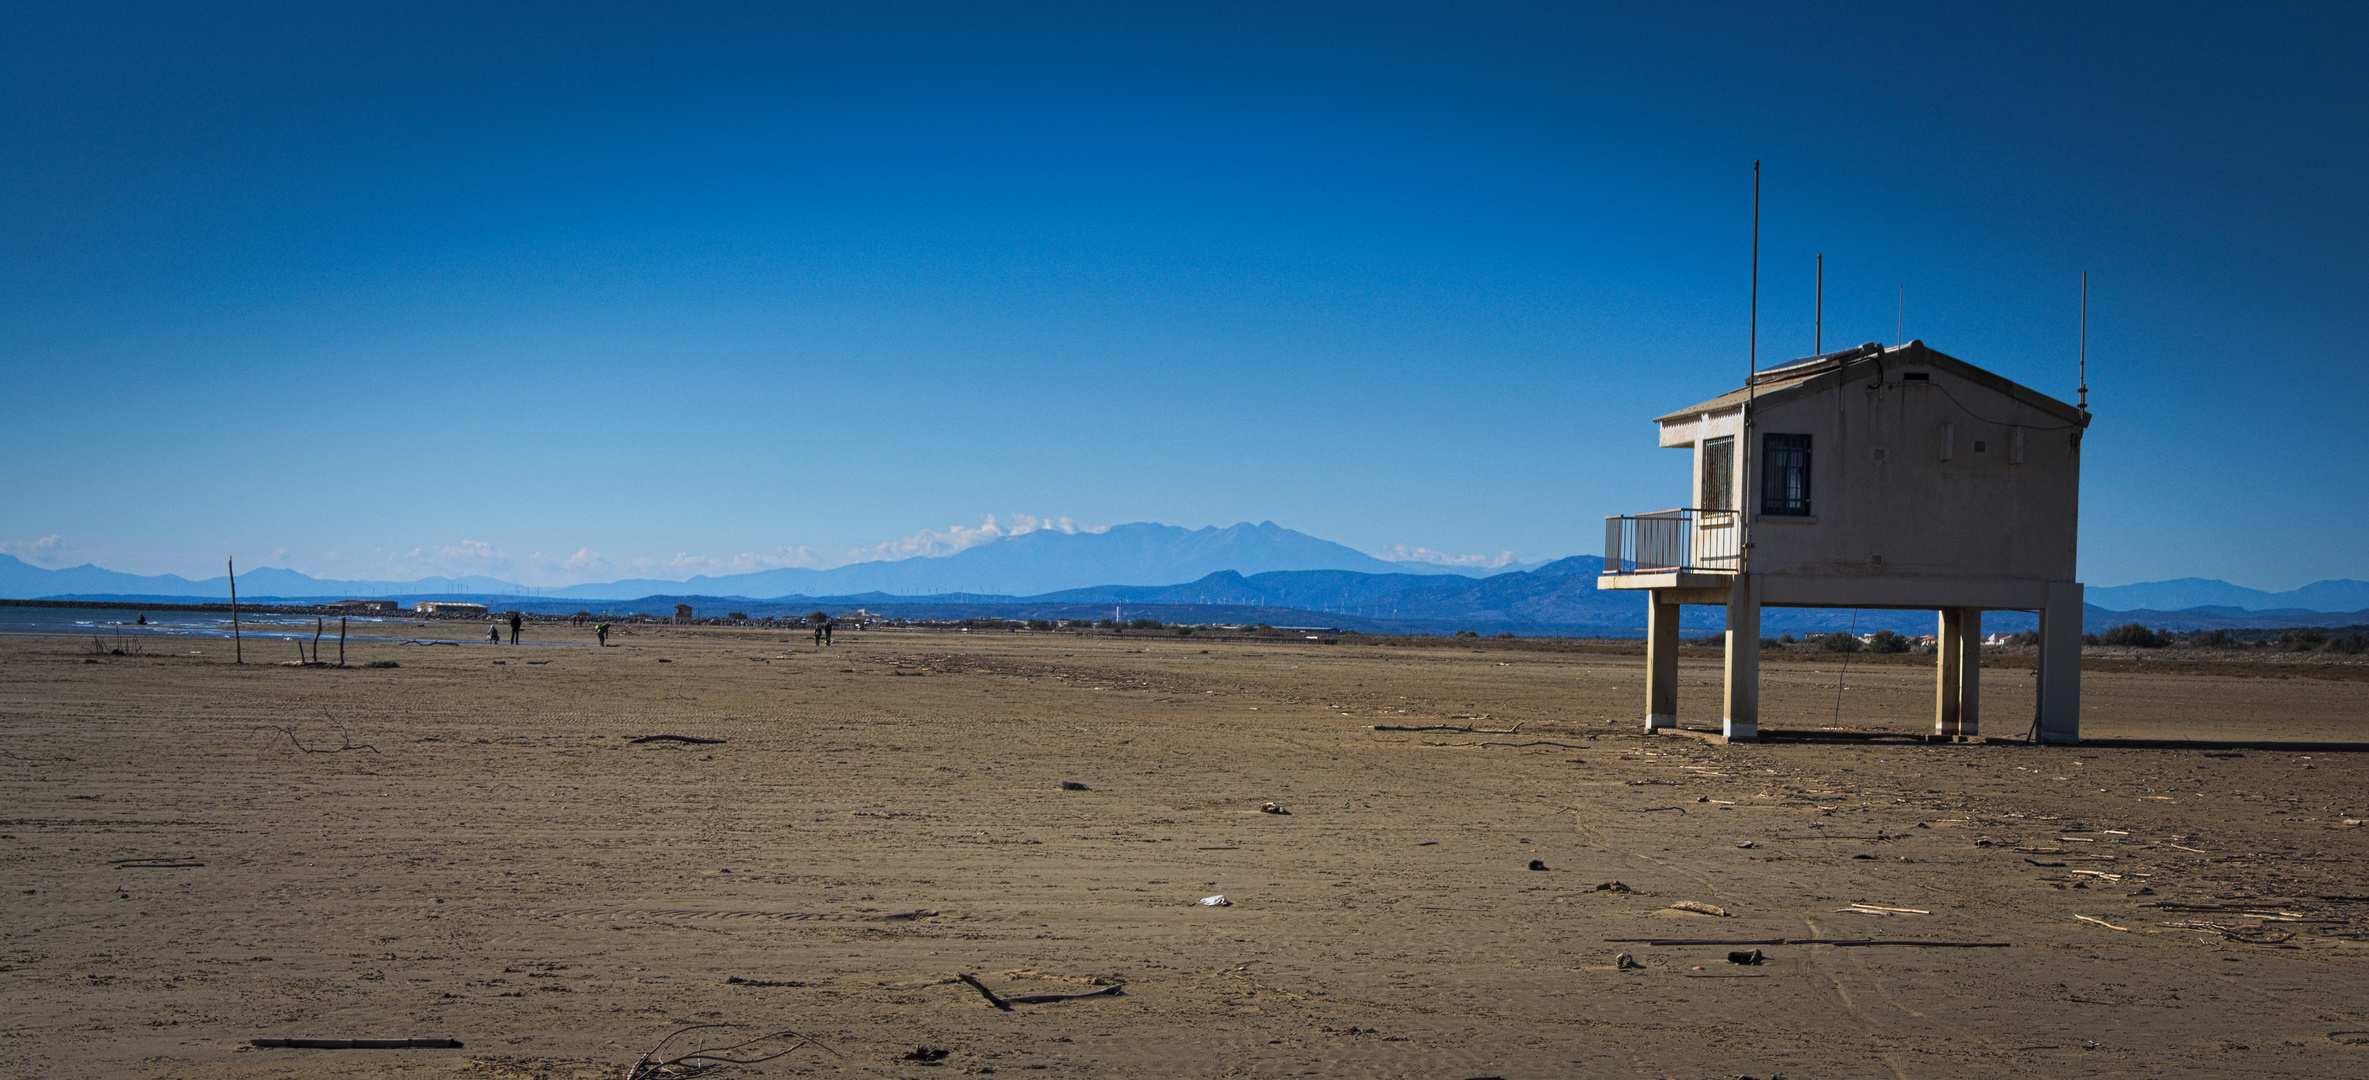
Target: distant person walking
517,623
818,634
603,631
827,628
493,633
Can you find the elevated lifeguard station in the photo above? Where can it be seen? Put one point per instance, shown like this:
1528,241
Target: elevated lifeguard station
1872,477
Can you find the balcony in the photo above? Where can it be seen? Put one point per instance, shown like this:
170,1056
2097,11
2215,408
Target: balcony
1684,541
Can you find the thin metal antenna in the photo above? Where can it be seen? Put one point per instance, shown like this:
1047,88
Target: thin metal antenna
1818,319
1900,328
1745,458
2084,404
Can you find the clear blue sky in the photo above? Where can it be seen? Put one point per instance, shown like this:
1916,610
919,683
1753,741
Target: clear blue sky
372,290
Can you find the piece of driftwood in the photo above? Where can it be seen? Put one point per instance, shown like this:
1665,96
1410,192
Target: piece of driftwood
1814,941
692,739
1006,1003
155,864
1465,728
990,995
739,981
349,744
746,1052
1700,908
360,1044
1538,742
2102,922
1649,809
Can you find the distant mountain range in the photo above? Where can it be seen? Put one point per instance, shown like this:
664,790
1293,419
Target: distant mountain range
2185,593
1258,573
1143,553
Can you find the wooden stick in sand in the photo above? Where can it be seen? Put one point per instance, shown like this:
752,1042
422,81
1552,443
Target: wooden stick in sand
238,652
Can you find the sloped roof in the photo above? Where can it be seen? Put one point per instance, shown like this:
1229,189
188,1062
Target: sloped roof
1816,374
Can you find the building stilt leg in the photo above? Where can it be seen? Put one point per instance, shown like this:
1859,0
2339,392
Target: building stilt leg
2060,664
1740,720
1949,651
1969,673
1661,664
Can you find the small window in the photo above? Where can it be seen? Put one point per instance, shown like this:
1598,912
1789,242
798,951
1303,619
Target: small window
1981,446
1719,474
1785,475
1916,376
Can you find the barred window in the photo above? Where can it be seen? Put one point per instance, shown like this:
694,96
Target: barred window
1785,475
1719,474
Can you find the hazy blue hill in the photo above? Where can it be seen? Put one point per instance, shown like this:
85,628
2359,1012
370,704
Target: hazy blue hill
21,579
1143,553
2339,595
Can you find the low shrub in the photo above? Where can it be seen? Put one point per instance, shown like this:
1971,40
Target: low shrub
2133,635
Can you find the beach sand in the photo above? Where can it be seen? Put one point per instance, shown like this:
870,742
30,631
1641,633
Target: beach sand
491,860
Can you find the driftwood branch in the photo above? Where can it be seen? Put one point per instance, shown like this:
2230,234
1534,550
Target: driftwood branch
1541,742
651,1065
349,743
1815,941
1006,1003
981,987
692,739
1465,728
360,1044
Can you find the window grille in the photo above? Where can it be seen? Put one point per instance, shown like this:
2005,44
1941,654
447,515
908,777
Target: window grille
1785,475
1719,473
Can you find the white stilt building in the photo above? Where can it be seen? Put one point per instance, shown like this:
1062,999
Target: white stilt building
1872,477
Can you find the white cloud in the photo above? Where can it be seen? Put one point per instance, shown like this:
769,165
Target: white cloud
49,550
1403,553
932,544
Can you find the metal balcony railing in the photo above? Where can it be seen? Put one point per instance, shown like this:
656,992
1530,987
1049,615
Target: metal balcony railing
1688,541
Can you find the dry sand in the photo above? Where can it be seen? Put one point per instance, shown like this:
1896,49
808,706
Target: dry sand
506,869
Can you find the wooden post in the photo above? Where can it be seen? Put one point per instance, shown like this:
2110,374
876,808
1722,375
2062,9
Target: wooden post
341,641
237,650
317,630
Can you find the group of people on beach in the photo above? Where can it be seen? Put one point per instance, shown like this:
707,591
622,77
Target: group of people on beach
822,631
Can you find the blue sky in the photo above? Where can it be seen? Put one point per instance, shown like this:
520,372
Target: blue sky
575,292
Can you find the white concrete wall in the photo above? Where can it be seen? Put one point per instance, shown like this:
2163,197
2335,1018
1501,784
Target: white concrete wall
1897,488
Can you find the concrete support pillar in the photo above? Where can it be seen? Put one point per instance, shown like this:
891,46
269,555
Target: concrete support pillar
1949,652
1970,673
1957,680
1740,716
2060,664
1661,663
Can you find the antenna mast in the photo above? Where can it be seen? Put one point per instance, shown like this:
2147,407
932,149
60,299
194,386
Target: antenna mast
2084,403
1818,313
1752,351
1744,456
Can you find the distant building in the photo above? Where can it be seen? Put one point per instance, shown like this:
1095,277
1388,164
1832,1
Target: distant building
447,607
1871,477
364,606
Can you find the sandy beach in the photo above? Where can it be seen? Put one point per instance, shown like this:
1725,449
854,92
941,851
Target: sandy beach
469,845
